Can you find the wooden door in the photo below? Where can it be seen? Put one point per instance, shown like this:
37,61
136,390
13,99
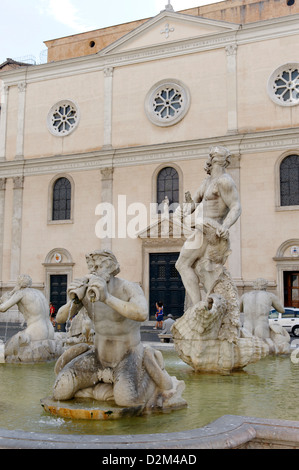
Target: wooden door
291,289
166,284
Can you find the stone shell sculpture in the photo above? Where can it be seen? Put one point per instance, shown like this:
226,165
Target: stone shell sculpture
209,336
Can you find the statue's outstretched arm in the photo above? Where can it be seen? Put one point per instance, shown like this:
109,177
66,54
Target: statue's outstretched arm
14,299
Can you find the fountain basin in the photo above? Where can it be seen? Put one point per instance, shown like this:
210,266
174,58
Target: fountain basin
227,432
219,414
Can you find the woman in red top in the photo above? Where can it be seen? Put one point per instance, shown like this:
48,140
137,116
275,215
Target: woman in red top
52,311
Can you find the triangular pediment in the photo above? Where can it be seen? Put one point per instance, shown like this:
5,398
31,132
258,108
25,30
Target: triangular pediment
168,27
165,227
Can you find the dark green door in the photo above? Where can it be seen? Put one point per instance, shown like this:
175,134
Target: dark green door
166,284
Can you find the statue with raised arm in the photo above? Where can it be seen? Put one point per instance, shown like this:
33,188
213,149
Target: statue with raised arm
215,206
37,342
118,367
208,336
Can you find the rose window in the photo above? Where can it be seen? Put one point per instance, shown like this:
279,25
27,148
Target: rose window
63,118
284,85
167,103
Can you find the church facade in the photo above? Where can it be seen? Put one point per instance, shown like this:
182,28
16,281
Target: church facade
92,142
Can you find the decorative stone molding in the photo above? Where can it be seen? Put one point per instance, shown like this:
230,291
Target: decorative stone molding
18,182
108,71
3,184
231,49
107,173
66,258
285,140
22,87
167,30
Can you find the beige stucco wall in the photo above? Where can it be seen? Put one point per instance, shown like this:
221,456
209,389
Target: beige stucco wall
86,90
39,237
263,228
256,111
206,117
12,119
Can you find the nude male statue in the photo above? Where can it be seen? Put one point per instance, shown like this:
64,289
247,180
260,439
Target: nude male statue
256,306
215,205
117,307
35,309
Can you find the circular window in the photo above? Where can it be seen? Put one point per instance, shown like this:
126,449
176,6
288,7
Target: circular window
283,86
167,103
63,118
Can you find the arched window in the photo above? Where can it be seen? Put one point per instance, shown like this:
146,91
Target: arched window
168,185
61,207
289,181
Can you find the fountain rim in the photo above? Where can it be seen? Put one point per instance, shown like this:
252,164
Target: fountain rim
227,432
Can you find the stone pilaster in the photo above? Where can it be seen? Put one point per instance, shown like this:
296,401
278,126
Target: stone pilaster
232,104
2,209
16,236
107,196
21,121
108,89
3,121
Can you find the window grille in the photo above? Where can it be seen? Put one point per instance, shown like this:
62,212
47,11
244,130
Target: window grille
61,200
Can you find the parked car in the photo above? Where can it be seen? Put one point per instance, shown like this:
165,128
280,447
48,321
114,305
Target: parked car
289,320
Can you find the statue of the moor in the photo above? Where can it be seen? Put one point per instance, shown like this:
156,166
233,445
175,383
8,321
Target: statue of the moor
118,367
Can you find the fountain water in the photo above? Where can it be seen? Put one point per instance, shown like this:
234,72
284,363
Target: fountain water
263,390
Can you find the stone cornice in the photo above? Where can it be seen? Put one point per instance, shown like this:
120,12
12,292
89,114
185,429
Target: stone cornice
239,144
252,32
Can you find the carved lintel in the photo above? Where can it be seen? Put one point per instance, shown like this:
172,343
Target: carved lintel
163,242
